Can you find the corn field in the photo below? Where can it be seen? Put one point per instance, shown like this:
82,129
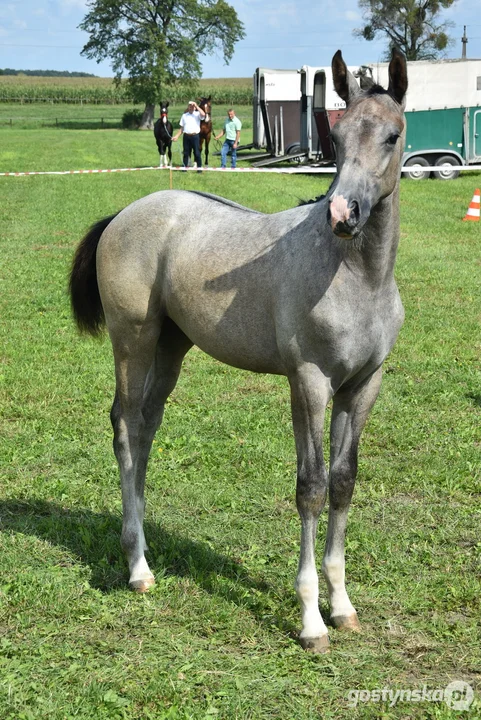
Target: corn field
24,89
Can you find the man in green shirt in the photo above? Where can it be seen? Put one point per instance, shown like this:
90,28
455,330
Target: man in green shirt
231,130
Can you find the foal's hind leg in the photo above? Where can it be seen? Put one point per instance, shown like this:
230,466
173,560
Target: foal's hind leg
349,414
133,353
146,369
161,380
310,394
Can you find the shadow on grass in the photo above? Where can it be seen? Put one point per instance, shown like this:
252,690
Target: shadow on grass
475,399
95,539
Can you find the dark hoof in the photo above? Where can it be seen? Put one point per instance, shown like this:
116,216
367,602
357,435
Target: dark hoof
346,622
318,645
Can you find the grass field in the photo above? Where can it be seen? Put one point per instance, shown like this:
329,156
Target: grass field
14,116
216,638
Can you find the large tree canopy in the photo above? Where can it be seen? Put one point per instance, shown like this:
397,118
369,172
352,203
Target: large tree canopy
157,42
414,26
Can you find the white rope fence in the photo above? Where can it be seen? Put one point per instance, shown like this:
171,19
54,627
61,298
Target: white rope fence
299,170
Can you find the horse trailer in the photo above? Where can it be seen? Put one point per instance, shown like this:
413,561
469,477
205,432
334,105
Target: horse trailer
293,112
321,108
276,111
443,113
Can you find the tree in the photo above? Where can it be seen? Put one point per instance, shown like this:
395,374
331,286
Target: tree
413,26
159,42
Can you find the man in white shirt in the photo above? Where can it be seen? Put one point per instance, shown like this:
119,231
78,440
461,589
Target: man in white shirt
190,129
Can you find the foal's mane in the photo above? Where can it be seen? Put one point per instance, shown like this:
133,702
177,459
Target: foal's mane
311,201
225,201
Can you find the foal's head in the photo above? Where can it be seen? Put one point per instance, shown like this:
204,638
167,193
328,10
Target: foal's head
205,104
369,142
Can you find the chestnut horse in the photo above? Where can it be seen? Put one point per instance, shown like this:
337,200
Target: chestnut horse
206,126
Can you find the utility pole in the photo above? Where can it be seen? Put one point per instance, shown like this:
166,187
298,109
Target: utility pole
464,40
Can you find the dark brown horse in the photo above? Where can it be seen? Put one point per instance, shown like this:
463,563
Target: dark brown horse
163,134
205,126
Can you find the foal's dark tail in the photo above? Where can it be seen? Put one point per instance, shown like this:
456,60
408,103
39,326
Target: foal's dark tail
84,290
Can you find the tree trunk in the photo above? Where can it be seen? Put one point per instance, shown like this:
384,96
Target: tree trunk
147,121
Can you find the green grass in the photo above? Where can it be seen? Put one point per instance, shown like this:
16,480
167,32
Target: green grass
14,117
217,635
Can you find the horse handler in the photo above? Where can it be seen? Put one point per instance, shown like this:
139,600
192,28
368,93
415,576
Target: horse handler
190,128
231,130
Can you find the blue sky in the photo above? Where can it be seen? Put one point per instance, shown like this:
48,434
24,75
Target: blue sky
43,34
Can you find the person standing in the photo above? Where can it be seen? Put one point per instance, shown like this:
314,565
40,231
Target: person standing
190,129
231,130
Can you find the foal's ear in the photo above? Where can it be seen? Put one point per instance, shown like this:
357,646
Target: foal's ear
344,82
398,76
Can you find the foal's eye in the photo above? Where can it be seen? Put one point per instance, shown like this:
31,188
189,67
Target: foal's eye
392,139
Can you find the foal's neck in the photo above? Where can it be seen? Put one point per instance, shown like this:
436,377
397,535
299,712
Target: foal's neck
379,242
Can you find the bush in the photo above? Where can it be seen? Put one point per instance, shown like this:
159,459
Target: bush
131,119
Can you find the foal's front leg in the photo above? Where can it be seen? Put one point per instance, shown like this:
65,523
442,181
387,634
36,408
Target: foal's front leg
350,410
310,394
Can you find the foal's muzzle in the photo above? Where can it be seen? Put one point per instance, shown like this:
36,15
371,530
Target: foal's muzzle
344,216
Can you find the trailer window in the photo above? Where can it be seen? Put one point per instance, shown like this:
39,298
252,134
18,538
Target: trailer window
478,82
320,90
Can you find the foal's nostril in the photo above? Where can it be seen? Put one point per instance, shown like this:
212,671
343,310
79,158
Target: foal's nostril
355,212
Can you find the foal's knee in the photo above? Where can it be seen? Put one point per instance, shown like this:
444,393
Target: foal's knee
341,483
311,491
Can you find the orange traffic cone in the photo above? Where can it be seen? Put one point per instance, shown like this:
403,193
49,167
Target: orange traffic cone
473,209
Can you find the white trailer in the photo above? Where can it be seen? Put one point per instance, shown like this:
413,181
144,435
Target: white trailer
293,113
276,109
321,108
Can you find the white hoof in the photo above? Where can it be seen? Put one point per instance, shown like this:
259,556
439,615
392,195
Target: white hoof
142,584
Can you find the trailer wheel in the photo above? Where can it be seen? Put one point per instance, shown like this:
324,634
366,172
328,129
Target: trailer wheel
293,150
417,164
449,165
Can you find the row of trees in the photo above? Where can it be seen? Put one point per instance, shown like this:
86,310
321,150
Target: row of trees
44,73
159,43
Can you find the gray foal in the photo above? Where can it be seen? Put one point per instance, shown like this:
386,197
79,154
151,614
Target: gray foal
308,293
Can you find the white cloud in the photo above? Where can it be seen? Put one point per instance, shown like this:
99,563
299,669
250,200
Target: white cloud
352,16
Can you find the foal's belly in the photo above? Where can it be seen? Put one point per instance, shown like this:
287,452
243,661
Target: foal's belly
233,332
